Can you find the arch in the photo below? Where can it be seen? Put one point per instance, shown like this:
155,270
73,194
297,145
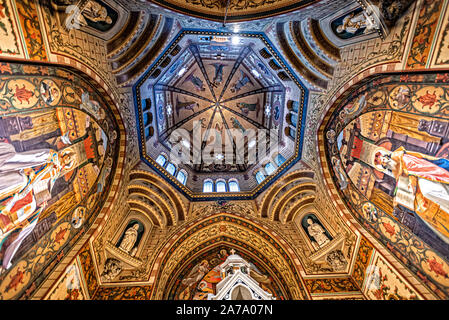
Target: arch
233,185
143,208
140,232
171,168
354,216
279,159
223,228
164,187
151,196
182,176
269,197
244,292
121,228
292,213
220,185
100,93
269,168
323,236
305,188
208,185
290,132
161,160
260,176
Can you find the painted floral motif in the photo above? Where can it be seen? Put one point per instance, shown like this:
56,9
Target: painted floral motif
10,44
31,29
66,158
424,33
401,119
384,283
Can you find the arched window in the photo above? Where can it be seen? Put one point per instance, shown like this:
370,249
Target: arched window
294,119
260,176
171,168
269,168
295,106
220,186
162,160
208,186
234,186
292,132
182,177
279,160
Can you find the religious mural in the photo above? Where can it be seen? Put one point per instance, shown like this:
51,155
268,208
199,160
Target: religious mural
70,286
390,137
200,278
98,15
58,145
352,24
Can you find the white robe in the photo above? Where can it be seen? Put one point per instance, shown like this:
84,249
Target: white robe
12,164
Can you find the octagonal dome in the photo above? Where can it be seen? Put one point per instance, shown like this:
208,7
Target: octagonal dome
219,107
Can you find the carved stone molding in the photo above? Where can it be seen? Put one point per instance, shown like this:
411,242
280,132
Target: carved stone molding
121,255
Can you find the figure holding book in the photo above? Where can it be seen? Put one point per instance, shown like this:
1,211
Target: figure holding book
25,188
422,183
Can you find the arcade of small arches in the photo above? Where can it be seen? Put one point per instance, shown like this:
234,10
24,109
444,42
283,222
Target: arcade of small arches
350,204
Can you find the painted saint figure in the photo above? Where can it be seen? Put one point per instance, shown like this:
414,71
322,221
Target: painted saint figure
130,238
426,189
195,275
236,124
49,92
243,81
196,81
247,107
187,105
218,78
25,187
95,12
358,22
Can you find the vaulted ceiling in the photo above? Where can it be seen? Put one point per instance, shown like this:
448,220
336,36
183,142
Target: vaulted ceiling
213,101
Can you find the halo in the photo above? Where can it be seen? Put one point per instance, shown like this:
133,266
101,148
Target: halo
383,152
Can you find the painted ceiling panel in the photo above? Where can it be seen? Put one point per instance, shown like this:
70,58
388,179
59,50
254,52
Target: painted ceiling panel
217,87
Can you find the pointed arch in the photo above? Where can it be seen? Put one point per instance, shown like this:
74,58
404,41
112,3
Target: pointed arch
234,231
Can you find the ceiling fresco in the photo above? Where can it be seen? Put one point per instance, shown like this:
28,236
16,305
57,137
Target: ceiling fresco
234,10
205,99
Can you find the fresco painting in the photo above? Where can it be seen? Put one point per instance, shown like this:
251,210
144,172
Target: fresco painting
384,283
352,24
10,45
391,139
200,281
58,143
98,15
70,286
